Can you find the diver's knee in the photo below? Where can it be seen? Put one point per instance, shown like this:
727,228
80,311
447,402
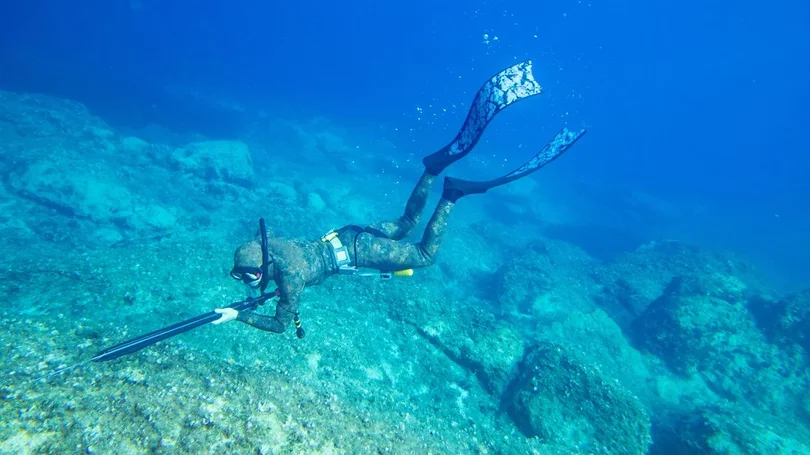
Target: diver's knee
428,257
408,223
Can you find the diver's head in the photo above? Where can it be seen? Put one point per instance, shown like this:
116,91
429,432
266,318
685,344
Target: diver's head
247,263
252,263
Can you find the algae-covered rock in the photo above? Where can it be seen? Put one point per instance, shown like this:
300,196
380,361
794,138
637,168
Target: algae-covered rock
491,351
723,429
153,216
701,326
561,399
132,144
521,280
786,321
60,187
14,228
545,280
228,161
599,341
94,197
279,195
40,116
488,348
634,280
315,202
107,236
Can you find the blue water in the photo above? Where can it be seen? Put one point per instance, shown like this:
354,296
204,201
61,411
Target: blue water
704,106
697,116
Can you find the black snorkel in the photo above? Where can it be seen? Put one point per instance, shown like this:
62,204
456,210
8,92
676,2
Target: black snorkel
265,256
266,261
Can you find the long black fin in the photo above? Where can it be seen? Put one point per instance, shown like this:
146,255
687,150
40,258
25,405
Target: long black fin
455,188
499,92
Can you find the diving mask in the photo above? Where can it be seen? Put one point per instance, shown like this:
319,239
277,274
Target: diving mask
252,276
256,277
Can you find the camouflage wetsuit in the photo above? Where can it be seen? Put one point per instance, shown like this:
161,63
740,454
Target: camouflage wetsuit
299,263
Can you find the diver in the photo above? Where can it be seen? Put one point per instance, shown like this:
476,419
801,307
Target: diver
293,264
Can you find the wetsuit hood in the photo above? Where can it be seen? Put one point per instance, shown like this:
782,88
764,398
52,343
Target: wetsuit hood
252,260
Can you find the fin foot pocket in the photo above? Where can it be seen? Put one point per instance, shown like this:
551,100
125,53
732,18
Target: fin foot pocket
455,188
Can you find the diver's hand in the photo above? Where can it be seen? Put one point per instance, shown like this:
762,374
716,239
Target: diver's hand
228,314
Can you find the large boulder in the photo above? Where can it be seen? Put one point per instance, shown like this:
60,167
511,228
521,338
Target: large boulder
564,400
725,429
34,116
544,281
632,281
600,342
94,196
701,326
84,195
473,338
785,321
228,161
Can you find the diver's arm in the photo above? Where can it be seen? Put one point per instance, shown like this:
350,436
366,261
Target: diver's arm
290,291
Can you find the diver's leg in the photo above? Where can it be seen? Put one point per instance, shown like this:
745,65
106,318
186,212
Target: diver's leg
390,255
501,90
401,227
456,188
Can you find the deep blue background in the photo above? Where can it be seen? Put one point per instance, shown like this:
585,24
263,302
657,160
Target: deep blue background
703,103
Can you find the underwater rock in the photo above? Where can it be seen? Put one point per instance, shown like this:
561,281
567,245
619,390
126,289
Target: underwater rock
545,280
331,144
131,144
468,260
600,342
60,188
270,136
224,160
561,399
38,127
100,133
785,321
14,229
107,236
701,326
635,279
488,350
90,197
470,336
522,279
315,202
33,116
156,217
279,195
723,429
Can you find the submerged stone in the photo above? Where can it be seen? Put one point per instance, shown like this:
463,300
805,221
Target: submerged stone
786,321
724,429
224,160
561,399
701,326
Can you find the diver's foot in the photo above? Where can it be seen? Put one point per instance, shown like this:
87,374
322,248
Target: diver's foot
437,162
455,188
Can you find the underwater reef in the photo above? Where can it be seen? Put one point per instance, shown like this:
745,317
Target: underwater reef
515,342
